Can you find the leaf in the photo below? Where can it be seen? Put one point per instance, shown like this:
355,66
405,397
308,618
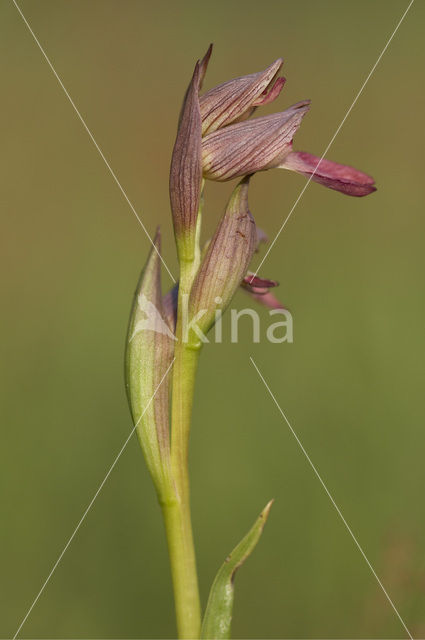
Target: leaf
218,615
149,355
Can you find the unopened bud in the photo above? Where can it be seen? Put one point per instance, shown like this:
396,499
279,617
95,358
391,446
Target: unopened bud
226,260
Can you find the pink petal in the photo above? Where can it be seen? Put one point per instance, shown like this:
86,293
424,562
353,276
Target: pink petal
258,289
268,96
258,285
336,176
266,299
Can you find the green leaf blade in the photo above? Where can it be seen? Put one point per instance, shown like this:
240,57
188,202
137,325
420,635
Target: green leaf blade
218,615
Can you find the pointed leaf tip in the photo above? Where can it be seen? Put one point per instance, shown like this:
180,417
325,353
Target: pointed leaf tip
218,615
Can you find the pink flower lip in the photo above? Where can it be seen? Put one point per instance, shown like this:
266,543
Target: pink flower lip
257,284
259,289
339,177
268,300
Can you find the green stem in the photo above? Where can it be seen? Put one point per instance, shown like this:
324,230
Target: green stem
183,569
177,516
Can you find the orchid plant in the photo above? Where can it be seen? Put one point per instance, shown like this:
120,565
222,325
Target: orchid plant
216,140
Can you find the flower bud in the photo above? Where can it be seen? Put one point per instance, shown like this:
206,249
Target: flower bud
149,356
255,145
236,99
186,170
226,259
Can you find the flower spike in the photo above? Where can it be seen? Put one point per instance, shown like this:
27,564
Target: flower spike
216,140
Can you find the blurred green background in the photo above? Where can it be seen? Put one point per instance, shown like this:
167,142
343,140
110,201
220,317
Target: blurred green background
351,271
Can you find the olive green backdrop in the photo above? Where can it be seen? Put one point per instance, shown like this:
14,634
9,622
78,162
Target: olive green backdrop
351,271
